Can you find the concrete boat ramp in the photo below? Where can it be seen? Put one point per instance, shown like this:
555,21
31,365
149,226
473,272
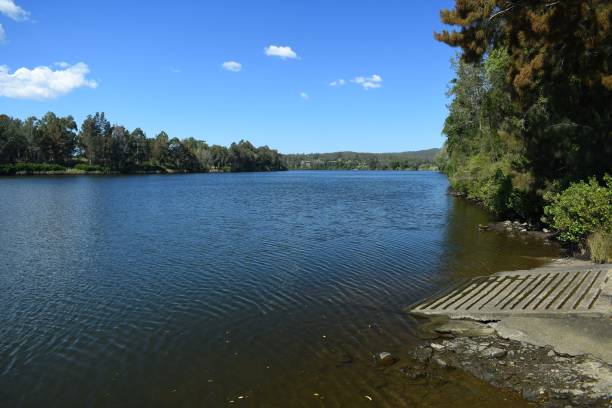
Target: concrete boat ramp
556,291
567,306
548,328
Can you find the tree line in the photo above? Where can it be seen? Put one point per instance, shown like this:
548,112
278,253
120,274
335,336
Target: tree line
98,145
418,160
529,129
531,107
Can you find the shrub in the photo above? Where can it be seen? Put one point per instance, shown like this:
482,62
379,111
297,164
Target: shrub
29,168
582,209
600,246
91,168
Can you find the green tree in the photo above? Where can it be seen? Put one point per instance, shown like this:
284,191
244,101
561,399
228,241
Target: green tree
57,138
159,149
13,144
531,99
93,139
120,148
138,147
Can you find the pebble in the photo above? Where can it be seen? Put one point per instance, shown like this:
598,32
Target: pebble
385,359
437,346
494,352
440,362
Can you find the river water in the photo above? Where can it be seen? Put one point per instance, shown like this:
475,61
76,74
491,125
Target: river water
263,289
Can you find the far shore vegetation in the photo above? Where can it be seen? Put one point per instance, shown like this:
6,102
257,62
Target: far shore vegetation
416,160
529,130
54,145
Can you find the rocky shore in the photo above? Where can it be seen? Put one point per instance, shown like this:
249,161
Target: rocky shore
538,374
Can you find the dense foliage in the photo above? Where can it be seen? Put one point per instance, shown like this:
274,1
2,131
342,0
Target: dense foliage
423,159
530,109
580,210
53,143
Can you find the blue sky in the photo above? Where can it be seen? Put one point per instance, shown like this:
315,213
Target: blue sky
158,65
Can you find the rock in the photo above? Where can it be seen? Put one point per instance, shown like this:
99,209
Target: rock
423,354
385,359
507,223
545,230
465,328
345,358
483,227
414,372
531,393
494,352
415,375
551,353
437,347
523,230
440,362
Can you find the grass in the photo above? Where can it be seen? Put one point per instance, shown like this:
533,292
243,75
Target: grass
600,246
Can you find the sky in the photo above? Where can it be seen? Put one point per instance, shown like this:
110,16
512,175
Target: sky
299,76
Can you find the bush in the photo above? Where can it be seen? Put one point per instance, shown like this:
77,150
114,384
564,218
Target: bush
582,209
600,246
91,168
29,168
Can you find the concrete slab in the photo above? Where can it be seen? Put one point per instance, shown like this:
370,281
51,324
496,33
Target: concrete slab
584,290
571,335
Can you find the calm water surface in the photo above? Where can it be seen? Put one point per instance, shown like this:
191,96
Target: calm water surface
196,290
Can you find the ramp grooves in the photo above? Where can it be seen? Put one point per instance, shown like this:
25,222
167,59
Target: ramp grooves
550,291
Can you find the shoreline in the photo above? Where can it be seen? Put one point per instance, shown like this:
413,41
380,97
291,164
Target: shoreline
76,172
553,361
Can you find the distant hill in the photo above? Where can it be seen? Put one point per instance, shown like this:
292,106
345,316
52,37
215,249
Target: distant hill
420,159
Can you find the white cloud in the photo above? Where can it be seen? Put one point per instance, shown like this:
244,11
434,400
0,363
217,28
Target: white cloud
282,52
372,82
10,9
2,34
337,82
232,66
304,96
43,82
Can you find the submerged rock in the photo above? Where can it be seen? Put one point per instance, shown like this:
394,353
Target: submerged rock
345,358
527,369
423,353
532,393
385,359
440,362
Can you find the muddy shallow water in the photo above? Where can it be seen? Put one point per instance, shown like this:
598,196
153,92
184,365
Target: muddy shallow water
196,290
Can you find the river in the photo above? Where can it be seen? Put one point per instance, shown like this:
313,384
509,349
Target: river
261,289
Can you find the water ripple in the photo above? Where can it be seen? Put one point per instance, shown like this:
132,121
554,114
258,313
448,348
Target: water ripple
193,290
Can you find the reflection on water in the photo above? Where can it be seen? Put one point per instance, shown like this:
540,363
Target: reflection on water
196,290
